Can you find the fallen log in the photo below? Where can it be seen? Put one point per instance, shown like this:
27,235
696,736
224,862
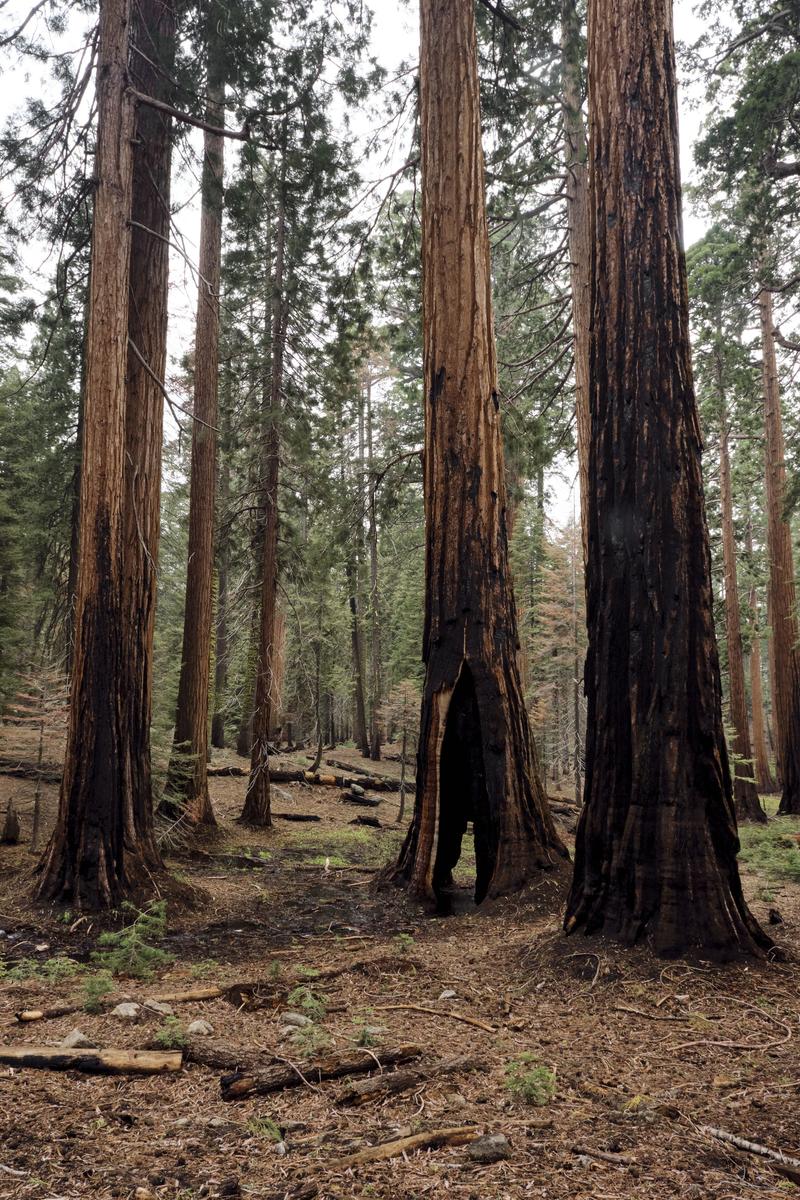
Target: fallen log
359,799
93,1062
365,819
296,816
362,1090
285,1075
437,1012
785,1164
47,772
232,993
375,783
434,1139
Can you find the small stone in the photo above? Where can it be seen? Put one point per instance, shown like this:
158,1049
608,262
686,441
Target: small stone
76,1039
127,1011
299,1020
182,1122
200,1028
218,1123
374,1031
280,1148
448,994
456,1100
158,1006
143,1193
490,1148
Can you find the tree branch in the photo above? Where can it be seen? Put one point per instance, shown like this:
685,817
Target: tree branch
500,13
239,135
785,342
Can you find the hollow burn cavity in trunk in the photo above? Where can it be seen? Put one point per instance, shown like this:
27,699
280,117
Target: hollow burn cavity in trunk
462,793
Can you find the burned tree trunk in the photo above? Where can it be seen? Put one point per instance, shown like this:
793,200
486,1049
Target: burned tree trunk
656,843
187,785
477,760
153,29
94,858
745,794
783,600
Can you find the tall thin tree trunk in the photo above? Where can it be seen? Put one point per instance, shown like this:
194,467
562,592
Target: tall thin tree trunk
783,600
476,758
576,667
579,239
657,843
223,548
153,29
94,858
188,779
745,795
256,809
375,735
764,780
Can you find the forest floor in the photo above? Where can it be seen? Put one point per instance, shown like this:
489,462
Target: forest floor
600,1066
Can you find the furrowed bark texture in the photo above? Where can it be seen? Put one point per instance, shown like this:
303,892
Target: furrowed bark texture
477,759
153,32
657,843
256,809
783,599
93,859
188,784
580,247
745,795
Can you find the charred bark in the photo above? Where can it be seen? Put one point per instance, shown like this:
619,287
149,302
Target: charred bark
93,858
476,760
656,842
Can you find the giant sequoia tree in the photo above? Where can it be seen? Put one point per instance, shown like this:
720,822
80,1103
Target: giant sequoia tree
476,760
95,855
657,843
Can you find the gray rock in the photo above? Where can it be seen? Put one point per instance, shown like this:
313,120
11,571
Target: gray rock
158,1006
127,1011
299,1020
76,1039
448,994
374,1031
490,1148
200,1028
182,1123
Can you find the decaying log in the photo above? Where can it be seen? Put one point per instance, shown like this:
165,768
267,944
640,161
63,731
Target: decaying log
365,819
362,1090
360,799
47,772
295,817
375,783
93,1062
334,1066
458,1135
233,993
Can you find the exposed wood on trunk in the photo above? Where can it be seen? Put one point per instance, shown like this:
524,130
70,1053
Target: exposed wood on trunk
93,859
93,1062
476,758
745,794
187,785
782,595
579,240
656,844
274,1079
380,1086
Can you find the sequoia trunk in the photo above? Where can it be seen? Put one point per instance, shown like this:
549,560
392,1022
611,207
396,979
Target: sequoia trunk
745,795
154,37
188,782
477,760
783,601
763,772
657,843
94,858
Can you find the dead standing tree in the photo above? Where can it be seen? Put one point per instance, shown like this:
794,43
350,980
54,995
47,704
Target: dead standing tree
657,843
476,758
